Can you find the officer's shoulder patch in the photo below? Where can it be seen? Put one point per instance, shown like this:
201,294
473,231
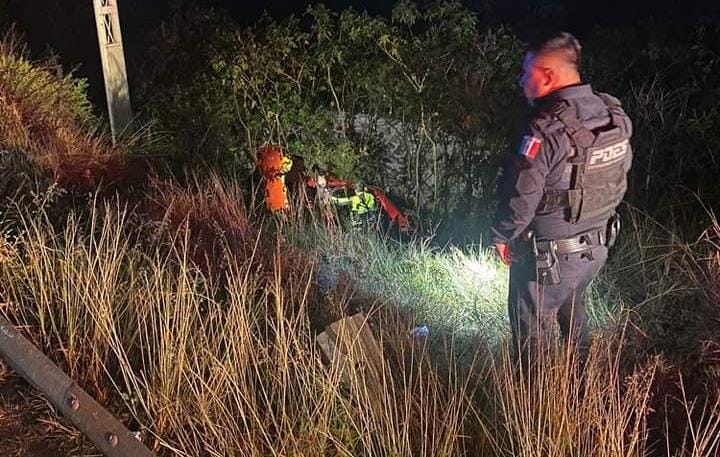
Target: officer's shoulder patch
530,146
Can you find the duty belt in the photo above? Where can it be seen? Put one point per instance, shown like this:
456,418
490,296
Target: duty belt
580,243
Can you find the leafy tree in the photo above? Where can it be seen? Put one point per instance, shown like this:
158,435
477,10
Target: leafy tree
310,84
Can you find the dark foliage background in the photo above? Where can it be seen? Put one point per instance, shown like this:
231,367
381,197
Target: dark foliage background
424,92
661,60
427,96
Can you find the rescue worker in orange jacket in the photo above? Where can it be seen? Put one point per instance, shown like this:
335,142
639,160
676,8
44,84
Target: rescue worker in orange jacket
274,165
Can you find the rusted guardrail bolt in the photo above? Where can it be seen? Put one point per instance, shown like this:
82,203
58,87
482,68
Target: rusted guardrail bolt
112,439
73,402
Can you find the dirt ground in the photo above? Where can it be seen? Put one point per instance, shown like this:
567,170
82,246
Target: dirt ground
29,426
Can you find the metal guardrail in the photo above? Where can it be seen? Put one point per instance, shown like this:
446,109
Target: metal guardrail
102,428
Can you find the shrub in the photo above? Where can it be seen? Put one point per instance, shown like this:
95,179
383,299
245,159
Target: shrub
667,78
49,119
411,103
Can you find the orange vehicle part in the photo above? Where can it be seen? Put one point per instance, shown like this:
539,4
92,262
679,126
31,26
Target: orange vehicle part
392,211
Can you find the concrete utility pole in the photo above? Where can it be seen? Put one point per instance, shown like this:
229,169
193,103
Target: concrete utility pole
113,63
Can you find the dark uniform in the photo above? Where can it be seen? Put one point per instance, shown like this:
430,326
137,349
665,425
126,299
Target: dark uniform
557,195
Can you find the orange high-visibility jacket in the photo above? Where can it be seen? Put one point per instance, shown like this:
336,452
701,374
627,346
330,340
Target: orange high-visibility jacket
274,164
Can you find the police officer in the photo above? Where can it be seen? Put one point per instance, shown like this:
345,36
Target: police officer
558,192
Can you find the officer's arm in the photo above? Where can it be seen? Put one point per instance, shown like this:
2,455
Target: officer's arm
521,182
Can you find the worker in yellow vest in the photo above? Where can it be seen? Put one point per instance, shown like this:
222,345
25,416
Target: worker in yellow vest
363,206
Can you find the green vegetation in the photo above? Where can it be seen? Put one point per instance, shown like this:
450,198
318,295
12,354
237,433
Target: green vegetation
445,288
47,125
431,77
178,304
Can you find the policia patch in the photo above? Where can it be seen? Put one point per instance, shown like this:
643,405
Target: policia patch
608,155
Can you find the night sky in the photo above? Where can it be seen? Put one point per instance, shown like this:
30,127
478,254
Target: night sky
67,26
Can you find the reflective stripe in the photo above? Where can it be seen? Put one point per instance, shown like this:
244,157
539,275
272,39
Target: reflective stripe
608,155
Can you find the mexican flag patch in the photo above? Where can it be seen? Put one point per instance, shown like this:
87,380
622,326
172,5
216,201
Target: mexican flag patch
530,146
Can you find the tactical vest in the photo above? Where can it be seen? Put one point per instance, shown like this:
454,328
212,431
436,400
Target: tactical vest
597,177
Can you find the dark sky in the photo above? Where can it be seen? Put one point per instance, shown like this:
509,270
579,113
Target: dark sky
68,28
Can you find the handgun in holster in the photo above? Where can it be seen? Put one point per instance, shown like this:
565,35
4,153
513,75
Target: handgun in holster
547,265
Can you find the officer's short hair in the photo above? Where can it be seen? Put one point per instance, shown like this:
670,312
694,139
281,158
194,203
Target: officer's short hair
558,42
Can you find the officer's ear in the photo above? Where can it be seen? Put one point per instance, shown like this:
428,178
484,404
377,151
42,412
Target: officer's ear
549,77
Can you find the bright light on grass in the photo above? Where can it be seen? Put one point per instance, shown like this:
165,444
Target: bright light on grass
481,271
461,291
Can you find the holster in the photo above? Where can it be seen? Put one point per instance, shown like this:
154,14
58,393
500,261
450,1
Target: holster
547,265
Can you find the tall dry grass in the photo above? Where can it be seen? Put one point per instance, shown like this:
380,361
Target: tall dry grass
210,365
210,371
